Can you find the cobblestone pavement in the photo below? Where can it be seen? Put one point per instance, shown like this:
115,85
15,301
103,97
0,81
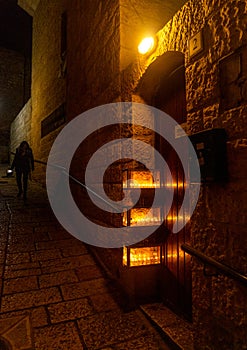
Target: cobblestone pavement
53,293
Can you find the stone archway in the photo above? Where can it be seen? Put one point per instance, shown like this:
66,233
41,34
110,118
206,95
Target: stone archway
157,73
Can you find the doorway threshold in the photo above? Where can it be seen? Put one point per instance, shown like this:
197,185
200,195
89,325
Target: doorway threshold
177,331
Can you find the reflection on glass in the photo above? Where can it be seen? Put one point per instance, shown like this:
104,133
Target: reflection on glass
142,217
142,256
141,179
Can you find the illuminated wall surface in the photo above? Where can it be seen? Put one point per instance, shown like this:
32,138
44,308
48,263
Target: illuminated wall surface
215,98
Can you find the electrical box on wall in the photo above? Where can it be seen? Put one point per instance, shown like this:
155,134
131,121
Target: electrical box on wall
210,147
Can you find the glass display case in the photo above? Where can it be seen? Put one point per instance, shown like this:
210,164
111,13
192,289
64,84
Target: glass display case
142,256
142,217
148,252
141,179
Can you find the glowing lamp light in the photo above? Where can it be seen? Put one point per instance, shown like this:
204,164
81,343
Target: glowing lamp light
9,172
146,45
142,256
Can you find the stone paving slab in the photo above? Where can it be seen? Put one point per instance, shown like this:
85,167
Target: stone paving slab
104,302
62,336
17,258
57,278
56,235
70,310
2,257
21,247
16,331
22,284
53,293
13,272
76,250
19,336
64,264
88,273
21,230
38,316
83,289
44,255
25,300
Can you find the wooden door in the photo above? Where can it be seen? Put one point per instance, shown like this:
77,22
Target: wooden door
175,279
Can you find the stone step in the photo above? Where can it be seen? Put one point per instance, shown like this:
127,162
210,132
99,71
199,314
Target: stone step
176,331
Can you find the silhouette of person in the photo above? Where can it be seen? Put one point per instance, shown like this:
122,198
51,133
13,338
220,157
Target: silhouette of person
23,164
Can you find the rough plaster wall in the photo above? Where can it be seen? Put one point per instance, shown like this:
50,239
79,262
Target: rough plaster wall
21,128
93,70
48,86
11,95
219,222
93,54
93,66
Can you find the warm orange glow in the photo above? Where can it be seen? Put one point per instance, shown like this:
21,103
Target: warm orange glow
175,185
143,217
179,218
124,256
142,179
146,45
142,256
175,255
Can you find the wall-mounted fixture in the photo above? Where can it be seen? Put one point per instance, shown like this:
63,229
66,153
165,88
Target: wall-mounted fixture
142,214
195,44
141,179
147,252
147,45
210,147
142,217
9,173
142,256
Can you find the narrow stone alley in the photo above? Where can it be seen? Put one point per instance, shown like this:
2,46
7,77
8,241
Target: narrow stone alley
53,293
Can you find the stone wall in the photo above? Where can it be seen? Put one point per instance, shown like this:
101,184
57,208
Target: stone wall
21,128
217,227
93,72
93,66
218,224
92,61
93,54
12,95
48,80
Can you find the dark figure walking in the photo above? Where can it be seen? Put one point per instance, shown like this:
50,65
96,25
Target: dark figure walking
23,164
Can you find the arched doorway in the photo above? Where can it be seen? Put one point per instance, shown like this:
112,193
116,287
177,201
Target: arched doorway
163,86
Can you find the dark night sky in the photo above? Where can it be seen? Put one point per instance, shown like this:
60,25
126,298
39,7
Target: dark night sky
15,27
